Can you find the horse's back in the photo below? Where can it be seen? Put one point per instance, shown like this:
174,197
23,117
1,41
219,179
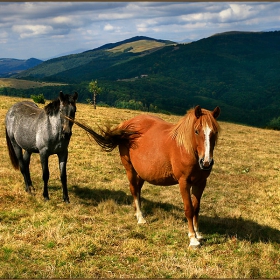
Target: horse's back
22,109
145,122
21,122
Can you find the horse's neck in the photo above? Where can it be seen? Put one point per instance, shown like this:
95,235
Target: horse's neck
54,124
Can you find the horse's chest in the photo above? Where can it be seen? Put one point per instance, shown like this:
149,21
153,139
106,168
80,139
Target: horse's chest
197,175
54,143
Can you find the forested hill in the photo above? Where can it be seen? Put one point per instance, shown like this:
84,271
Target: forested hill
11,66
239,71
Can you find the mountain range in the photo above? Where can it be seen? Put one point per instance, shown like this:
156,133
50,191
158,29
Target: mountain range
11,66
239,71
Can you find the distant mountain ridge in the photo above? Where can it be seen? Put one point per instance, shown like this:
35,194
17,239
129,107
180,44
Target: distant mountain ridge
100,58
131,40
239,71
11,66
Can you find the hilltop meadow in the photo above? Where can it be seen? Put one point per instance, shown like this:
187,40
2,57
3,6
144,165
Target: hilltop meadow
97,235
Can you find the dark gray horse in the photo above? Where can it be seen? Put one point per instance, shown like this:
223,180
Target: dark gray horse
45,132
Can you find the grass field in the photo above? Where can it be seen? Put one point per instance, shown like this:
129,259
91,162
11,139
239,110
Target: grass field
23,84
138,46
96,235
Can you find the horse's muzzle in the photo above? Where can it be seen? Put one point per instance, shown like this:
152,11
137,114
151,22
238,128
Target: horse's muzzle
205,165
66,135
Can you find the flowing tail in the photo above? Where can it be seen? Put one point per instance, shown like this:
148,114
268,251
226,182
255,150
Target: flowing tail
12,153
109,138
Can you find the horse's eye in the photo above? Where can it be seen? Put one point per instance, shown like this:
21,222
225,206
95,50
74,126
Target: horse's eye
196,132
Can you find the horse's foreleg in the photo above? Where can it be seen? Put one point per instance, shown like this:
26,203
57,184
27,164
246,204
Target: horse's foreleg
189,211
196,196
63,174
46,174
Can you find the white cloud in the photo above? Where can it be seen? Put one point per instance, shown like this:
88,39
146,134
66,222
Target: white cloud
56,27
108,27
26,31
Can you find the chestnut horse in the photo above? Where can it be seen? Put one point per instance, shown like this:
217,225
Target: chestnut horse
165,154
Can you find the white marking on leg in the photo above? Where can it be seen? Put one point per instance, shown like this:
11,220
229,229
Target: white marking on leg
139,214
194,242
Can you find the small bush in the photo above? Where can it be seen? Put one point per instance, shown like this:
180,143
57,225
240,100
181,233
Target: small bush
274,124
38,98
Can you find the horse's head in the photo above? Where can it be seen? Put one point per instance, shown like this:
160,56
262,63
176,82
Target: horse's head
67,108
205,131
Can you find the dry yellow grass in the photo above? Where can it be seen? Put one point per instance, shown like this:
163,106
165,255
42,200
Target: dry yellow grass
23,84
96,235
138,46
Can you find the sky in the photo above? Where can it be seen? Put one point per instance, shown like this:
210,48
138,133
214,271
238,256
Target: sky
48,29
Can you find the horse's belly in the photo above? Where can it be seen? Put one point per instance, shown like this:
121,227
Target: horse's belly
166,181
154,170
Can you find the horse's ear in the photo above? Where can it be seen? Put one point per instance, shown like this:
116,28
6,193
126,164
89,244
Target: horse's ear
75,96
197,111
216,112
61,96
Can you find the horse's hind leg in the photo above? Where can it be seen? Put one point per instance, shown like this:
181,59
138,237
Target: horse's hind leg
135,184
24,161
28,182
46,174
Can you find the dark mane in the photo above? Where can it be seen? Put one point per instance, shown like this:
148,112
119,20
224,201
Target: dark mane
53,107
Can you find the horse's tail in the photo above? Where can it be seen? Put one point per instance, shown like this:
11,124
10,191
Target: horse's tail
109,138
12,153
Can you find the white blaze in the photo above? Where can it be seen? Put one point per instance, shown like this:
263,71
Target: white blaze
207,132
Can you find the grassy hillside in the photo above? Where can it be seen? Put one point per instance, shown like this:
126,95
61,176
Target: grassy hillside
240,71
24,84
100,58
138,46
96,235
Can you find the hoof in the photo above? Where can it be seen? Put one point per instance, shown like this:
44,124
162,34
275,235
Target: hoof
46,198
141,221
66,200
30,190
194,243
193,247
199,235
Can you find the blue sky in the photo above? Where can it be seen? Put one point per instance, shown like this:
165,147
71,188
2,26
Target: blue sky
47,29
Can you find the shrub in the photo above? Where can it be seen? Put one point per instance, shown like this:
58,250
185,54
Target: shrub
38,98
274,123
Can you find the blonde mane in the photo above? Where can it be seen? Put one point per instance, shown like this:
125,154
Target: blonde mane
183,131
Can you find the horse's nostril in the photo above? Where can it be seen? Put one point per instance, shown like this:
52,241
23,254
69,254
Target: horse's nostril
205,164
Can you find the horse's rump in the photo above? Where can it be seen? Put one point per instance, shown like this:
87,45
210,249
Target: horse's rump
110,137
